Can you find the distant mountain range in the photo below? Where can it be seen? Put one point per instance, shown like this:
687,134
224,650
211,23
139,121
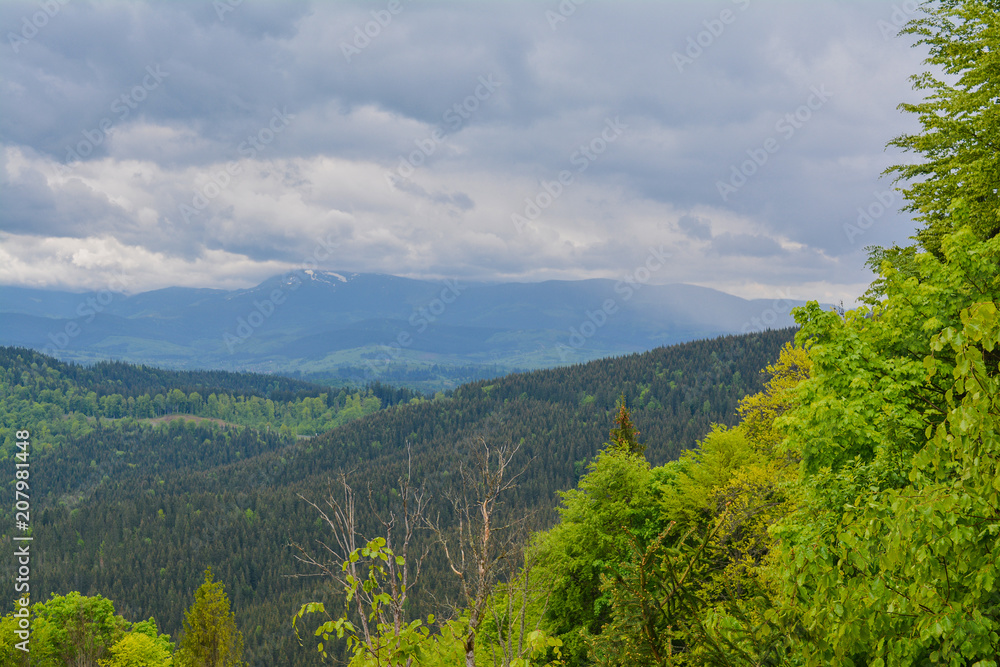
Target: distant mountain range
325,323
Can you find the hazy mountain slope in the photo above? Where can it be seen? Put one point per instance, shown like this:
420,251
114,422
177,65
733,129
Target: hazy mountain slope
315,322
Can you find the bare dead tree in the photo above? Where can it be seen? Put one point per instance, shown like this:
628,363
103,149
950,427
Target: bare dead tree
397,526
513,618
484,542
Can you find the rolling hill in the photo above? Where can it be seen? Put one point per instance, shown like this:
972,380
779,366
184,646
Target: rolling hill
135,512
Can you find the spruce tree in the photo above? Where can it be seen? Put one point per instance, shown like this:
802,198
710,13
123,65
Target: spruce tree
210,636
624,436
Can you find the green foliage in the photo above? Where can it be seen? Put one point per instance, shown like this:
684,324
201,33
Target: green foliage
510,634
613,500
97,503
388,642
891,558
58,402
210,637
143,646
74,629
664,566
9,653
758,412
654,596
689,484
897,536
960,119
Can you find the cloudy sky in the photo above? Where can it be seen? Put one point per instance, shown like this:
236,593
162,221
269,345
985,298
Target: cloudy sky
217,144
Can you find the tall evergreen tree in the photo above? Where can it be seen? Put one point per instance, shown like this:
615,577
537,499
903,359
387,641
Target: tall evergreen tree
624,435
210,637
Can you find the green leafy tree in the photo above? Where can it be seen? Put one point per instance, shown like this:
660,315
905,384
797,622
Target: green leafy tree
892,556
758,412
142,646
210,637
614,500
74,629
694,593
77,630
894,551
9,653
960,117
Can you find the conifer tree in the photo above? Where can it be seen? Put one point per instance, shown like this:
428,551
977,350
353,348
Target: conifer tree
210,637
624,436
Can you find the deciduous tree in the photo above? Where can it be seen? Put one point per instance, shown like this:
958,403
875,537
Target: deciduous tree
958,147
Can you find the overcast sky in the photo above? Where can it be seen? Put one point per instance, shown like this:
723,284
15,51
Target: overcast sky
215,145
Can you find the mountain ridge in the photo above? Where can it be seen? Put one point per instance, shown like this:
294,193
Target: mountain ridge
318,321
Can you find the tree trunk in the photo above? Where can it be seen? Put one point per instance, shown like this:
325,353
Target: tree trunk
470,649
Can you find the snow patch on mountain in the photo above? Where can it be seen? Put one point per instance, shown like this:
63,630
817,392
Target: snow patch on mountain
319,275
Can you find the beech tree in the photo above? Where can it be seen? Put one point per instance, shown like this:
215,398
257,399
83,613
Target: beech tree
143,646
891,557
959,144
74,629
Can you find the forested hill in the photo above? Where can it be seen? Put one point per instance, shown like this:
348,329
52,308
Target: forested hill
58,400
136,514
107,378
116,377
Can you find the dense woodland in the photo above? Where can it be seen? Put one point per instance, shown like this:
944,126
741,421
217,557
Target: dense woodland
136,513
675,507
55,400
428,379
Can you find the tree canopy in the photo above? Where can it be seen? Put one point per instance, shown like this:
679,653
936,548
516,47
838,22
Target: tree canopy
958,147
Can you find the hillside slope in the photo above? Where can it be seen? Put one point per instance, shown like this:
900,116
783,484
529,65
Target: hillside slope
136,514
